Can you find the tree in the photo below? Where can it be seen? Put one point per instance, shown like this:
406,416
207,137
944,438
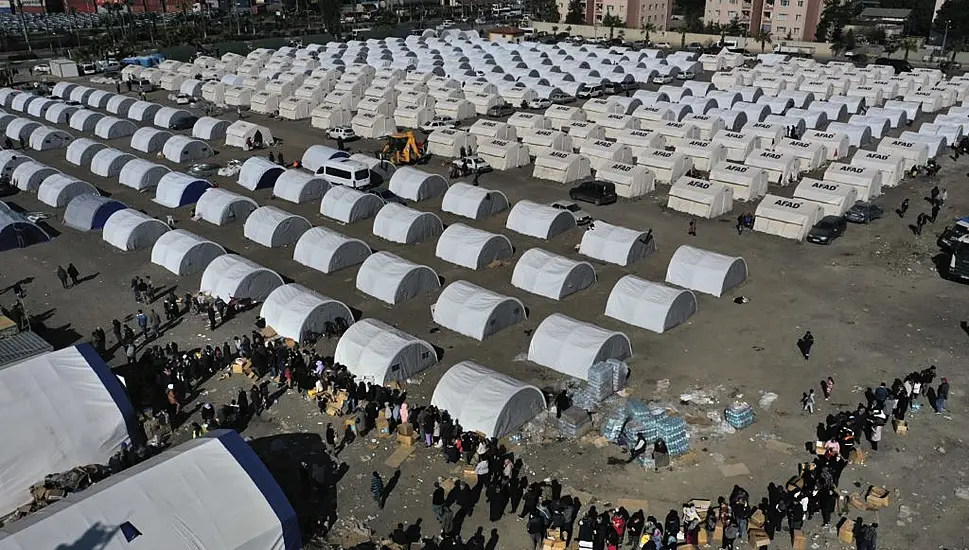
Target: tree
764,37
875,35
612,21
850,42
576,15
834,17
330,14
647,28
954,14
734,28
908,45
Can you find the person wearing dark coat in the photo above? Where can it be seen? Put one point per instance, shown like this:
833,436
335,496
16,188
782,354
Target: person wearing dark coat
497,500
536,529
438,500
73,273
587,526
530,500
243,401
672,525
516,489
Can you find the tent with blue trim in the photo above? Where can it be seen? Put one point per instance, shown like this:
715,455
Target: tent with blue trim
16,231
211,492
61,410
87,212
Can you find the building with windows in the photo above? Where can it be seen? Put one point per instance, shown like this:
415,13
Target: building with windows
635,14
784,19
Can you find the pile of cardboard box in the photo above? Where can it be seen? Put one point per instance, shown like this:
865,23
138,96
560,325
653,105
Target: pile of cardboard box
244,366
406,435
555,540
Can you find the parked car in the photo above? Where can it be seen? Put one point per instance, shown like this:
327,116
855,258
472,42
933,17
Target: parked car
205,169
436,125
501,111
231,169
89,68
662,79
475,164
827,230
596,192
587,91
345,133
43,68
183,99
611,88
958,266
561,97
953,233
864,212
662,45
540,103
186,123
581,216
685,75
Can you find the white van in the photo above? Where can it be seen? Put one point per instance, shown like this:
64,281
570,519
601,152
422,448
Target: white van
587,91
350,173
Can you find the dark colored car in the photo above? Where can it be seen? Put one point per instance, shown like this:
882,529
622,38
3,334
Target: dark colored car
953,233
184,123
900,65
596,192
611,88
864,212
827,230
501,111
958,266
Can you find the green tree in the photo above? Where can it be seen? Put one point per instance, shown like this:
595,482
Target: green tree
834,16
575,15
955,14
612,21
765,38
330,14
735,27
850,41
908,45
647,28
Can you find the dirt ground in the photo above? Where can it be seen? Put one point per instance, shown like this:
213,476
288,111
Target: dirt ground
873,300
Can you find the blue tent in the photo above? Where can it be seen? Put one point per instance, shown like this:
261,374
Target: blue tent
87,212
17,231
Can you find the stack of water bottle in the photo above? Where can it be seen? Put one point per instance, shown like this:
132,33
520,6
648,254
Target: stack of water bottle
605,378
739,415
613,424
674,433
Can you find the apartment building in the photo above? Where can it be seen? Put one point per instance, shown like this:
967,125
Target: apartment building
634,13
797,19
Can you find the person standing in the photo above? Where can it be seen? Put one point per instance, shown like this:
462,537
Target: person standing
934,194
943,197
377,490
211,313
805,344
279,159
692,231
116,330
438,500
62,275
941,396
740,224
73,273
142,323
920,222
827,387
536,529
155,321
807,402
903,208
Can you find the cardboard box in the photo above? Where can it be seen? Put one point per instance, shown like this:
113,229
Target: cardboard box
846,531
900,426
405,429
857,456
702,536
383,427
800,541
555,534
717,535
701,505
407,440
878,497
333,409
757,520
553,545
856,502
819,447
758,538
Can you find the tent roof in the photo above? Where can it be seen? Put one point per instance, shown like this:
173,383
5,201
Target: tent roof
382,273
170,249
369,348
537,220
467,308
644,303
702,270
571,347
226,273
288,307
610,243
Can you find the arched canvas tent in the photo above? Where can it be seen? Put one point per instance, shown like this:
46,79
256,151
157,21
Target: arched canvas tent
218,206
400,224
615,244
149,140
259,173
20,129
130,229
176,189
538,220
299,186
273,227
649,305
46,138
141,174
392,279
78,427
472,248
57,190
417,185
62,90
473,202
81,151
476,312
108,162
572,347
22,101
119,105
111,127
16,231
29,175
316,155
487,401
85,120
99,99
296,312
700,197
185,149
704,271
328,251
541,272
143,111
169,117
233,276
209,128
88,212
10,160
81,94
373,350
60,113
184,253
240,132
380,170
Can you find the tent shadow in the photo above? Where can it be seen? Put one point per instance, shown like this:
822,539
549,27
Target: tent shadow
439,351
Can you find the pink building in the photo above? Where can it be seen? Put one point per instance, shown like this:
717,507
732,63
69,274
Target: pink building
635,13
797,19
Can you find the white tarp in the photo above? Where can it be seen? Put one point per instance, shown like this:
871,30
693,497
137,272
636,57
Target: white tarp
487,401
400,224
474,311
788,218
392,279
130,229
328,251
273,227
219,206
375,351
538,220
184,253
472,248
233,276
615,244
649,305
541,272
704,271
473,202
297,312
572,347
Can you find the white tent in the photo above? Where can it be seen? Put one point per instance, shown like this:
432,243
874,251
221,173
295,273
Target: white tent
810,155
392,279
448,142
180,149
572,347
10,159
120,105
700,198
298,186
836,144
476,312
704,271
562,167
705,155
273,227
412,116
108,162
666,166
781,168
788,218
170,117
316,156
264,103
60,113
472,248
747,182
21,102
140,174
210,128
28,176
400,224
542,142
766,134
615,244
149,140
327,116
57,190
111,127
375,351
503,154
82,150
347,205
373,126
237,96
130,229
492,129
834,198
602,153
219,206
708,125
936,143
550,275
538,220
176,189
46,138
295,108
87,212
231,276
641,141
486,401
258,173
328,251
143,111
65,409
915,153
240,131
417,185
298,313
458,109
738,145
866,180
892,166
473,202
21,128
630,180
184,253
649,305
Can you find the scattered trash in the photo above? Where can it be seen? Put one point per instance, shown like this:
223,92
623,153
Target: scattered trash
767,399
521,357
963,493
741,300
